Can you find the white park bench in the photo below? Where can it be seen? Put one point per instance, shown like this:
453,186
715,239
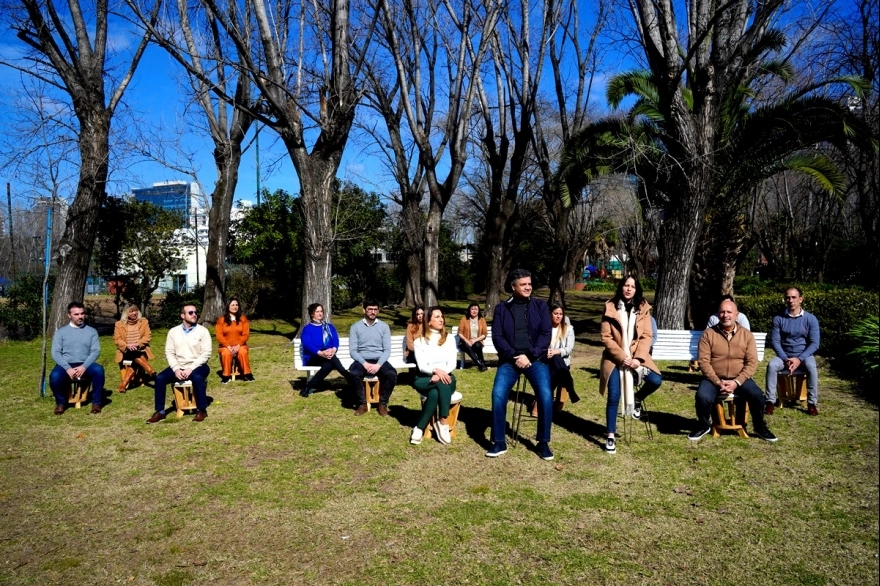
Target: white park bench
683,344
398,344
488,345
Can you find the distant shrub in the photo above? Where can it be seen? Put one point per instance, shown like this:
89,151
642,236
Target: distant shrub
22,314
169,316
648,283
838,311
600,286
864,358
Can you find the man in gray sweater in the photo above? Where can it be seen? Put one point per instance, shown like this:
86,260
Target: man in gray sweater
370,348
75,347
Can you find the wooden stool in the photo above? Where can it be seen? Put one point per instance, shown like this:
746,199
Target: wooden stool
78,392
561,399
734,421
451,420
235,371
128,374
791,387
184,397
371,390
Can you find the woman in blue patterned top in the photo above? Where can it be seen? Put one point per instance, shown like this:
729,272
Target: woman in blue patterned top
319,345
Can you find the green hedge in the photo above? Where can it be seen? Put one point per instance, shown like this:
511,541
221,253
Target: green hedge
838,312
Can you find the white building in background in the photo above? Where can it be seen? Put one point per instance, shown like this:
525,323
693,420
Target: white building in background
188,199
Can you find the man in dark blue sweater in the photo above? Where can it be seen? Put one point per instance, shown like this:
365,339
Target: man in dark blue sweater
75,348
795,339
521,333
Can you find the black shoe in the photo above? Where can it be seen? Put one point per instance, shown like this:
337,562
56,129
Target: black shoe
766,435
544,451
248,378
482,367
224,380
698,434
306,393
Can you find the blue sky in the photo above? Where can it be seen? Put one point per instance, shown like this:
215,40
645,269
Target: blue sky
156,102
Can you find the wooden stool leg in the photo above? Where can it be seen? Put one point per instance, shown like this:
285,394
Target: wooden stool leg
453,418
371,391
78,392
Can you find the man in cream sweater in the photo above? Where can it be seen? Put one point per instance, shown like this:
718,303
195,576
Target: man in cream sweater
187,349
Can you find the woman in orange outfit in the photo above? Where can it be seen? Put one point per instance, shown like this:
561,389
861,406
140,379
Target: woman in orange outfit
233,331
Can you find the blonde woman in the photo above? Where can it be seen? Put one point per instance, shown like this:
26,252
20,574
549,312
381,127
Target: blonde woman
131,335
436,356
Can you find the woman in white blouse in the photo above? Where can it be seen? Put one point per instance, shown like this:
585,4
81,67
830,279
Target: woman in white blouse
559,354
436,355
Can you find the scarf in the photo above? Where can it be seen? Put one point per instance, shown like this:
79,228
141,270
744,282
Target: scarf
629,378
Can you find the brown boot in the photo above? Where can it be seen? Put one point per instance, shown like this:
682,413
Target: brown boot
127,376
145,364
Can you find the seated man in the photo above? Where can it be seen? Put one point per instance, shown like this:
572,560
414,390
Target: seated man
794,337
521,333
187,349
75,347
728,358
369,344
741,318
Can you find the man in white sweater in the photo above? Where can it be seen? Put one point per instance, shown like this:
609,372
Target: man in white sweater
187,349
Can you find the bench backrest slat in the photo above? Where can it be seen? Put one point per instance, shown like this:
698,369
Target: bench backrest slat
683,344
398,344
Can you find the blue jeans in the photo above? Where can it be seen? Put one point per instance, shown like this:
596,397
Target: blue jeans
199,380
652,383
776,365
58,381
538,375
387,376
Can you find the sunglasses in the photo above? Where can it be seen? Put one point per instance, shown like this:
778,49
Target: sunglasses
192,313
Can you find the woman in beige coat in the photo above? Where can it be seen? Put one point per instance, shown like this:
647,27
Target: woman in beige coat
627,336
132,338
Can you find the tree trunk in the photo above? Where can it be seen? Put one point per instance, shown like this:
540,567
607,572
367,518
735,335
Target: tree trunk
411,220
227,159
432,253
75,248
315,204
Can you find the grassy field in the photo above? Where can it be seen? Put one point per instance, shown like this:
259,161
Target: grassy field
276,489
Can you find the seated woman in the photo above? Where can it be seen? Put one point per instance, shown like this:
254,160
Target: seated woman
233,331
132,338
627,336
559,355
435,356
319,345
413,330
472,330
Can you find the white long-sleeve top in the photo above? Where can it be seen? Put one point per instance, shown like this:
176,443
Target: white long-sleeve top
431,355
566,345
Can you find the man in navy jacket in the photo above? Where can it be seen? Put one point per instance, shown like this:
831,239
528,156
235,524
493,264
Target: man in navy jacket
521,333
795,339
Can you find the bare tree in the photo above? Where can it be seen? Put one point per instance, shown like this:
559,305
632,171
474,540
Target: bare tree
383,95
304,60
69,51
424,41
575,42
707,52
222,89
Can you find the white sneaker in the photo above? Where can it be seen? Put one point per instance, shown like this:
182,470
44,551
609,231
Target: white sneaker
416,437
637,410
443,433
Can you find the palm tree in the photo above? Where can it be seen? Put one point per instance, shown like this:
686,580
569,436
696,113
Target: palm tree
753,142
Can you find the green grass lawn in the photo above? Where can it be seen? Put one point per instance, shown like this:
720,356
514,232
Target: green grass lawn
276,489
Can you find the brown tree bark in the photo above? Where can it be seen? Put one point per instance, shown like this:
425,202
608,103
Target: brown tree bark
71,53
